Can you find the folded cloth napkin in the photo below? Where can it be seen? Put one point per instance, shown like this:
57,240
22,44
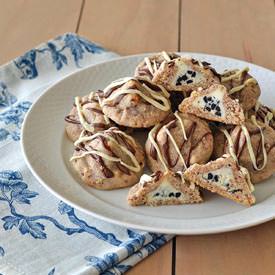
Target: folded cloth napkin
38,233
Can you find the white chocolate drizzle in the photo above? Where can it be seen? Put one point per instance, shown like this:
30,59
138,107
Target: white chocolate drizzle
135,167
145,92
175,145
87,126
154,143
230,144
249,145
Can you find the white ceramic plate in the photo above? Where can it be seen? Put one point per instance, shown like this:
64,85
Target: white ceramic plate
47,151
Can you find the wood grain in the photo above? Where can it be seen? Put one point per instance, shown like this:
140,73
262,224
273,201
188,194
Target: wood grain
25,24
241,29
159,263
245,252
129,27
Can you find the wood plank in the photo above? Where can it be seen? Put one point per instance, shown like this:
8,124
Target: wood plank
25,24
245,252
129,27
159,263
241,29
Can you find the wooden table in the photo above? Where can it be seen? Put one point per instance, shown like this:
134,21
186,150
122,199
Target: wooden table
242,29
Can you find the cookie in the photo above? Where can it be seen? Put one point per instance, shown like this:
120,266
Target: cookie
225,177
213,104
242,86
108,160
148,67
263,114
86,115
253,144
163,189
185,75
135,102
178,142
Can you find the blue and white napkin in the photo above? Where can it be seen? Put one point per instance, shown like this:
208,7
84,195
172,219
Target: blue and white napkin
38,233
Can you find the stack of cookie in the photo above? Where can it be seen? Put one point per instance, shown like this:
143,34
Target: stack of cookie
205,130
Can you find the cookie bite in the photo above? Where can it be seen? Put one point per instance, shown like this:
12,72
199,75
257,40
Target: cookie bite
242,86
178,142
225,177
149,65
253,145
108,160
213,104
135,102
185,75
163,188
86,115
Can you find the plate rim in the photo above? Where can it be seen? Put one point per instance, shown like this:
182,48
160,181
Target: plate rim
267,214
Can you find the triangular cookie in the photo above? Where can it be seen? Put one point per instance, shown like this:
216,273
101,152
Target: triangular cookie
163,188
213,104
225,177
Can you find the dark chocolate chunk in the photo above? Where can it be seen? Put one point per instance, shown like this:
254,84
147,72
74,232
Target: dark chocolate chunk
210,176
213,106
193,74
205,98
190,72
236,190
216,178
156,195
189,81
218,108
171,195
178,194
207,108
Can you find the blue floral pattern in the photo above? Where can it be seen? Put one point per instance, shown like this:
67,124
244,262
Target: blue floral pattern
2,251
6,99
77,46
13,118
18,195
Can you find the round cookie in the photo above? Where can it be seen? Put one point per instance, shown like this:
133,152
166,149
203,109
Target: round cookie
135,102
252,134
185,74
242,86
178,142
108,160
149,65
86,115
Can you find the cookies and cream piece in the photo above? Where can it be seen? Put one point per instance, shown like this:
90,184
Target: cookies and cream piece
225,177
86,115
178,142
263,114
135,102
213,104
149,65
108,160
253,145
163,188
185,75
242,86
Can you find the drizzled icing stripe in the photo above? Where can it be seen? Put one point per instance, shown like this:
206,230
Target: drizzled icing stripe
135,168
240,87
175,145
82,120
152,140
249,145
91,96
230,144
154,95
268,114
237,74
87,126
181,124
166,56
149,65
